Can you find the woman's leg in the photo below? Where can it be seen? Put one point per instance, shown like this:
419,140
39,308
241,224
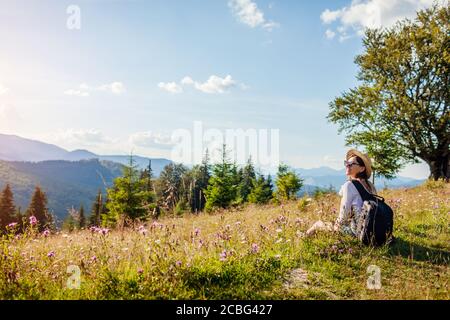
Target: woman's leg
318,226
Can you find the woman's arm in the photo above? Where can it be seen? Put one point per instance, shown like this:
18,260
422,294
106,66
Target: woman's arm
345,208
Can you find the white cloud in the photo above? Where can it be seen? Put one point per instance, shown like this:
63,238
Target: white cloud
247,12
171,87
3,89
84,89
187,80
330,34
214,85
329,16
149,139
84,86
362,14
78,93
114,87
82,136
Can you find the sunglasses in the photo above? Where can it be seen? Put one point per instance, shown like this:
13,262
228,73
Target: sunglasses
348,164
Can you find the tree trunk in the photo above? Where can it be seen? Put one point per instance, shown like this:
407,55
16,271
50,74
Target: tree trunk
440,168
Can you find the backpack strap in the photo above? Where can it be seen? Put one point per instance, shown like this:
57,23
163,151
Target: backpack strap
365,195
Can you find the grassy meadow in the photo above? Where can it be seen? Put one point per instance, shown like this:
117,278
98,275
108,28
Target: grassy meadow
250,252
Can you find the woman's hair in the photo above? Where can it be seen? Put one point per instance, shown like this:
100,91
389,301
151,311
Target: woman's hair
363,175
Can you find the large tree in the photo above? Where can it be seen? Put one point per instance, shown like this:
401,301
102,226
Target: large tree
400,111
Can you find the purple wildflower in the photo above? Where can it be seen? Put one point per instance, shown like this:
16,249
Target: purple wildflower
196,232
142,230
12,224
33,220
178,263
51,254
46,233
223,255
255,248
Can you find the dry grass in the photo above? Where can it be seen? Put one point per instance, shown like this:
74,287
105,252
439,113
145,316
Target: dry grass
254,252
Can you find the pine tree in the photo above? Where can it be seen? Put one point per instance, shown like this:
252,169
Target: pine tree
246,177
288,183
222,189
128,197
38,208
72,220
262,190
147,176
82,218
20,219
7,208
197,179
203,181
97,210
173,186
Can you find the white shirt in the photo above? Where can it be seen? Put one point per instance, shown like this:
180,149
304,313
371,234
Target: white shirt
350,208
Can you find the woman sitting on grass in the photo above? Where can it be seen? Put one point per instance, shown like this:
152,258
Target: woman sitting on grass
357,167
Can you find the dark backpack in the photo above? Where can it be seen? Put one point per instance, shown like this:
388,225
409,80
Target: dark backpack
377,218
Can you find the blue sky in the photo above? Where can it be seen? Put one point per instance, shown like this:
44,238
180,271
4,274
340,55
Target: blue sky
115,85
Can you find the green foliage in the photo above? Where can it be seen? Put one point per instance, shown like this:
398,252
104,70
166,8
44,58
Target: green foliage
98,208
275,261
82,219
38,209
71,222
400,112
171,186
262,190
128,197
303,203
222,186
7,208
246,177
288,183
319,192
435,184
67,183
196,181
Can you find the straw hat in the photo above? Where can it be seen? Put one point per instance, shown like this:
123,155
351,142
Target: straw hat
365,158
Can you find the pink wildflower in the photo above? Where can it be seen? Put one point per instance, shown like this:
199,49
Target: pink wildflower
255,248
33,220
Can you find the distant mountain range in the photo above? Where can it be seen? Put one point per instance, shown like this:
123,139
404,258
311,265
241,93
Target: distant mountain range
15,148
71,178
66,183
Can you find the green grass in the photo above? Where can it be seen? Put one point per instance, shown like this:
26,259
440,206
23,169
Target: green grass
267,256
